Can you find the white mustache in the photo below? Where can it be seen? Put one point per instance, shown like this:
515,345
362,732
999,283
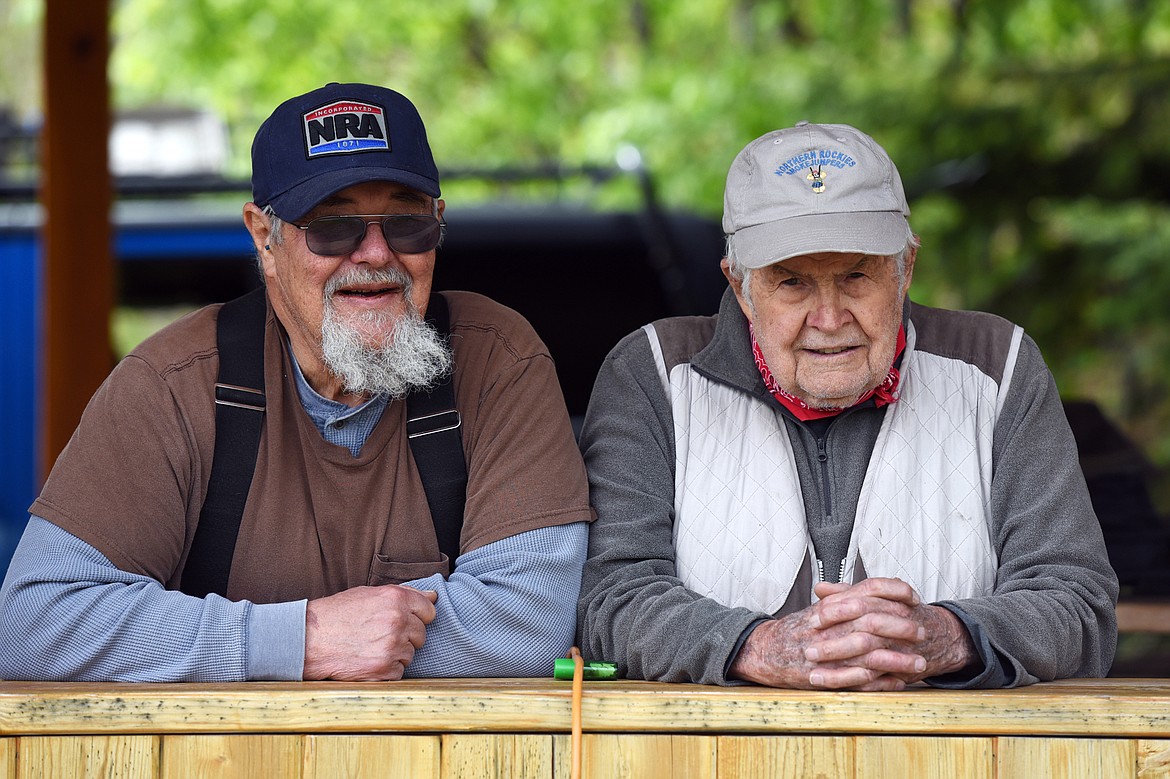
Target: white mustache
358,276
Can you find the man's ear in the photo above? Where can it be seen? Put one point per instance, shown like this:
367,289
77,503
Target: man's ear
258,227
736,287
910,258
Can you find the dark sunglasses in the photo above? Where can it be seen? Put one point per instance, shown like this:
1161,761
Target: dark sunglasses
332,236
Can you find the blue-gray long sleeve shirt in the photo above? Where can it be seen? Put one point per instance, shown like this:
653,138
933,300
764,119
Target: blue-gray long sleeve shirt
68,613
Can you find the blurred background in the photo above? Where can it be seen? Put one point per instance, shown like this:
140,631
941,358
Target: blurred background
584,146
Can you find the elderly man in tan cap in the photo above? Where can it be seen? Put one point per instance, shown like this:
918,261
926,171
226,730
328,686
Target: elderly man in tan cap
826,485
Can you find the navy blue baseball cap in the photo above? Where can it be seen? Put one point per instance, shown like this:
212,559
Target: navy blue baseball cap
319,143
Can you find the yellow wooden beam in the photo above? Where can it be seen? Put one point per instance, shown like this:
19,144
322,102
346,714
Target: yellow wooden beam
490,728
1092,708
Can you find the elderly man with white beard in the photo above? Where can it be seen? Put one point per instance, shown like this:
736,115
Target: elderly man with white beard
348,554
826,485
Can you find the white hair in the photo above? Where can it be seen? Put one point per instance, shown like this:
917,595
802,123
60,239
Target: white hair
743,274
414,356
275,237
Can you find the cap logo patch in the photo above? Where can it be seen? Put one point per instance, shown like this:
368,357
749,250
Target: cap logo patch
818,180
345,126
815,160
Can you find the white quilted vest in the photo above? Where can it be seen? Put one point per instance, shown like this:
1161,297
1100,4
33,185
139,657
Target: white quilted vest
923,514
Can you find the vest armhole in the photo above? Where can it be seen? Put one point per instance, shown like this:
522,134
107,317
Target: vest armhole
1009,368
659,359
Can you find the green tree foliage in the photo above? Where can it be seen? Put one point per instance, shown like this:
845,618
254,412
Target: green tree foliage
1031,133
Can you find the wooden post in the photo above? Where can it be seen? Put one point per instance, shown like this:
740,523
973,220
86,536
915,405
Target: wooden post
77,265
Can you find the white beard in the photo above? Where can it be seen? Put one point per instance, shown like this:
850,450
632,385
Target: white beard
413,356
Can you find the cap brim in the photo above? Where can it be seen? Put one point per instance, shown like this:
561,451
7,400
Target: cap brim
298,200
866,232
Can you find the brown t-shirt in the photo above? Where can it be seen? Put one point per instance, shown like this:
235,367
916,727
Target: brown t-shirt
318,520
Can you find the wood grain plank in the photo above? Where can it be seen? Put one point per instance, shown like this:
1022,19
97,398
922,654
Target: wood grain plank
612,756
535,756
213,756
1086,708
87,757
694,756
1143,616
640,756
386,757
1153,759
926,757
1067,758
8,758
496,757
764,757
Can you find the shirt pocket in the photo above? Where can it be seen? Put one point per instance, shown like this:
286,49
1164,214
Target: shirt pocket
383,570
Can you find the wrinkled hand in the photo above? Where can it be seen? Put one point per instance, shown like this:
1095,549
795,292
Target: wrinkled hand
366,633
875,635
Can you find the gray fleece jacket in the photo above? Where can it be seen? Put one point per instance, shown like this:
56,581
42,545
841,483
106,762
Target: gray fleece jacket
1051,613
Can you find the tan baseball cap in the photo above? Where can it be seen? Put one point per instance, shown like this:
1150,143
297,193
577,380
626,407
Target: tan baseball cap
813,188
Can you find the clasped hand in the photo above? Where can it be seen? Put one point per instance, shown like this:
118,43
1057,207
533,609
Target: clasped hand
874,635
366,633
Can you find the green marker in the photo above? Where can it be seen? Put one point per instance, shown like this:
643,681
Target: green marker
593,670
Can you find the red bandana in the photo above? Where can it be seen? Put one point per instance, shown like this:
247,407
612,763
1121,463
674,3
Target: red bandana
883,395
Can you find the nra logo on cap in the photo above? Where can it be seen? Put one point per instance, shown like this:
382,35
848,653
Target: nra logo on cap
345,126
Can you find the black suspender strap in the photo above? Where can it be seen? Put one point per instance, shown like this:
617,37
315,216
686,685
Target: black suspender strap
239,420
436,441
432,427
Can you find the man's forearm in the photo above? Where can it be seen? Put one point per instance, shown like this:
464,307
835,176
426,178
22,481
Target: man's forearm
507,609
1051,614
69,614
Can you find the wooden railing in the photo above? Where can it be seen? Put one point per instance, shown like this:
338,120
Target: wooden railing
1143,616
520,728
